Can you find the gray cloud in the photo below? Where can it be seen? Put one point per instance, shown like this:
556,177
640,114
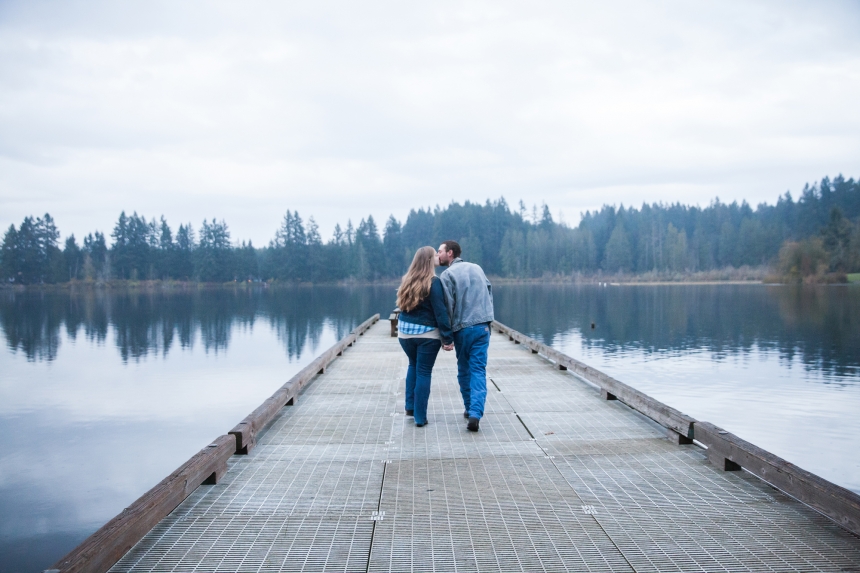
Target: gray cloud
341,110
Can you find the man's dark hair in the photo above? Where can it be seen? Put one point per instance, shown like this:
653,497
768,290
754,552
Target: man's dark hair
452,246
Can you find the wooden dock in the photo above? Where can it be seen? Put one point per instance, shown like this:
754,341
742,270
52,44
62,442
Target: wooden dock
561,477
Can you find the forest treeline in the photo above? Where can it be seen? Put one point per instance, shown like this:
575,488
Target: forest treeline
816,234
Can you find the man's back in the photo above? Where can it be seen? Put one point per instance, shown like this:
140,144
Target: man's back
468,293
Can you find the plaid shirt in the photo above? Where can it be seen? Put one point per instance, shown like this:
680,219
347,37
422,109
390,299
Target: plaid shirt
409,328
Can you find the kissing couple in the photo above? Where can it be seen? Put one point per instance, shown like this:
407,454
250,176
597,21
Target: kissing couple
452,311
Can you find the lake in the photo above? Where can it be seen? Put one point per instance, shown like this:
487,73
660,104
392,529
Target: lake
103,393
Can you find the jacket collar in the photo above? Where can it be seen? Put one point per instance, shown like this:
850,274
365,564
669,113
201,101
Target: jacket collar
454,262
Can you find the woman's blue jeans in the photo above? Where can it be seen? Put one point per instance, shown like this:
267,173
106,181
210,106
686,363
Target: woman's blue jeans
422,354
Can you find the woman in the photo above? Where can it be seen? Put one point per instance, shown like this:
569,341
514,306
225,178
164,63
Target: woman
423,326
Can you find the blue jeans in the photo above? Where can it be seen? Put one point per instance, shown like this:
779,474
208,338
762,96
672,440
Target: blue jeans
471,344
422,354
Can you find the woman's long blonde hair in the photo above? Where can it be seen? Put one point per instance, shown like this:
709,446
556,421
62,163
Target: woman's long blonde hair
415,285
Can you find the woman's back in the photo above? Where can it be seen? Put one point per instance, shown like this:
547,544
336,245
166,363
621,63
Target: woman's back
431,311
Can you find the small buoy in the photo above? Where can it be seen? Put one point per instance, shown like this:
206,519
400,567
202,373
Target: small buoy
592,326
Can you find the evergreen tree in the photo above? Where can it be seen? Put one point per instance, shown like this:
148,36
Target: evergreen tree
165,249
213,258
73,259
418,230
395,255
370,251
30,253
184,257
315,261
287,257
130,253
95,256
546,221
247,262
9,263
514,257
836,238
617,257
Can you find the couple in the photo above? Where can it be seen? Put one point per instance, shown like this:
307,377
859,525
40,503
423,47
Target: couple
452,311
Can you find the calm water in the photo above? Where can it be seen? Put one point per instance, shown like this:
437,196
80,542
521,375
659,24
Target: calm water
102,395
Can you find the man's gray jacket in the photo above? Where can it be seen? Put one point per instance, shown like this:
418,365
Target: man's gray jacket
468,294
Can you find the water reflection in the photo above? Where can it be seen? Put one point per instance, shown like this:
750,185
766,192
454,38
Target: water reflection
818,325
153,322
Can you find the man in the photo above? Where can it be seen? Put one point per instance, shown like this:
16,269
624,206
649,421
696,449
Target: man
469,297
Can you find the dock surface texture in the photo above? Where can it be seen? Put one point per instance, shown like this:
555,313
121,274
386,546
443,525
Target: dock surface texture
556,480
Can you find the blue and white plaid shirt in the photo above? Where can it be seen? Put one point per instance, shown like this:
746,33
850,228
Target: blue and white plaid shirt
409,328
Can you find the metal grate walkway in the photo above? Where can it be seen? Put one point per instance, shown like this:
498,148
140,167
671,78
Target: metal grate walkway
556,480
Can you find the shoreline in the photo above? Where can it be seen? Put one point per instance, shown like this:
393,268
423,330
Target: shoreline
729,277
499,281
693,283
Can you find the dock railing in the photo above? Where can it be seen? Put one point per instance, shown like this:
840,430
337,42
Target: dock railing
101,550
725,450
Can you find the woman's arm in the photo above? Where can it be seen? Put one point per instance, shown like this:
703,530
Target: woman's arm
440,310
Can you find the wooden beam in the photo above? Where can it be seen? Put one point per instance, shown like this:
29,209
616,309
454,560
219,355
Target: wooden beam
101,550
610,387
729,452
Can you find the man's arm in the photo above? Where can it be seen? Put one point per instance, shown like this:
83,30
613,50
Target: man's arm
449,290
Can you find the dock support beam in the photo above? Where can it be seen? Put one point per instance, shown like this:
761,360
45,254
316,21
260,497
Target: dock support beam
677,438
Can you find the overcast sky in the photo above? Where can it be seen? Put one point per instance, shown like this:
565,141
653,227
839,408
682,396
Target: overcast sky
242,110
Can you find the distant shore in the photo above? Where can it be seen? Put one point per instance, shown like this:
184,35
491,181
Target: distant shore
727,277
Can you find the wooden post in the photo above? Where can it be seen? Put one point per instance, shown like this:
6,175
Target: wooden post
394,319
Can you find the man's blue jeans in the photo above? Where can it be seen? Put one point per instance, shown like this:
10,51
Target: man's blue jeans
422,354
471,344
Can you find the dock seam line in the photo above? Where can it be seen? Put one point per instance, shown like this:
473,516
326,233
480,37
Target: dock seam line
378,509
594,517
532,436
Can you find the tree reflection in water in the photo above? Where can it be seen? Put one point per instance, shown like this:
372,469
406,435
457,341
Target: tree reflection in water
153,322
821,324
